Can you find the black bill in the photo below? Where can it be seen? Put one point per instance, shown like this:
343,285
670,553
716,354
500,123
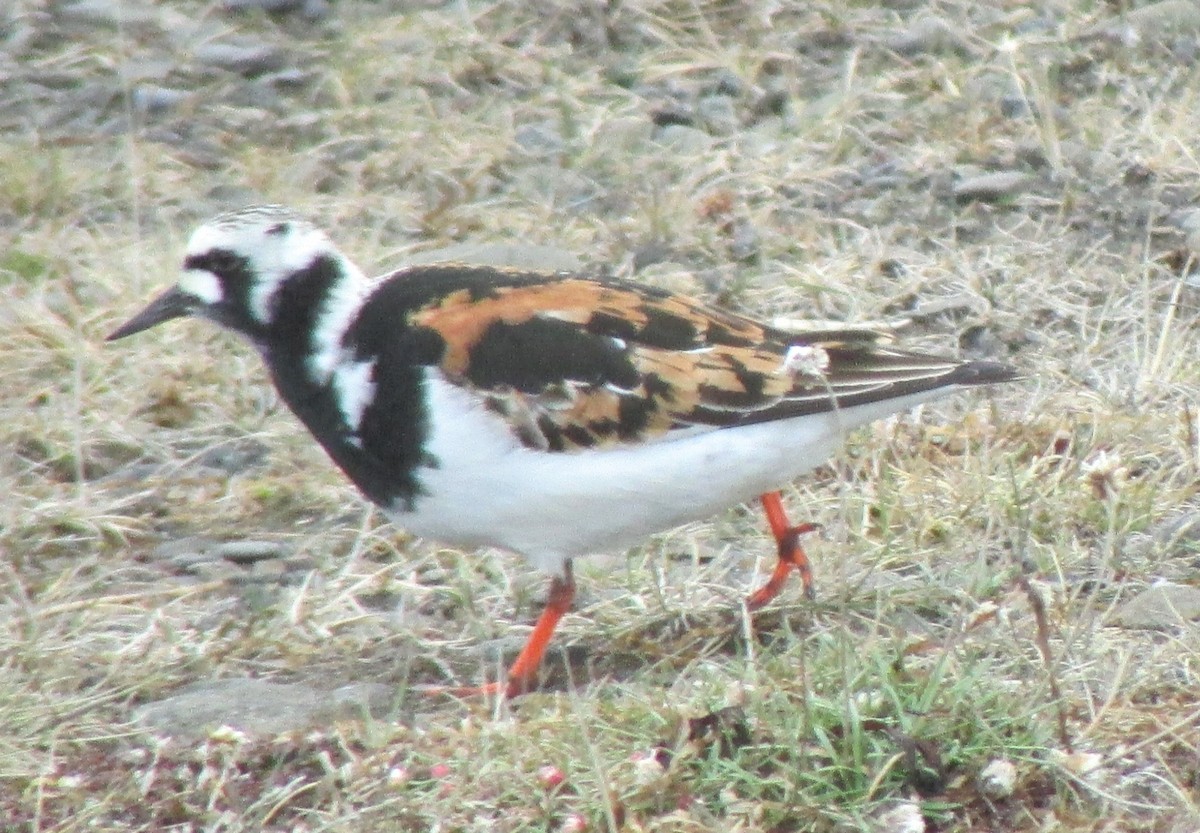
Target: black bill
174,303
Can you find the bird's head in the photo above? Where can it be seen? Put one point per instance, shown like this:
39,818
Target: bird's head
238,269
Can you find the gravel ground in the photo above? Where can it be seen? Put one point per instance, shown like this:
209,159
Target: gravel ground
1014,181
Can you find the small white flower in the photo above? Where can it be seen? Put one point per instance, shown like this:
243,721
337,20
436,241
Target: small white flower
806,360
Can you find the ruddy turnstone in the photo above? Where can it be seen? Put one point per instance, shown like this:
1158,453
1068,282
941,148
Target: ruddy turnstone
548,414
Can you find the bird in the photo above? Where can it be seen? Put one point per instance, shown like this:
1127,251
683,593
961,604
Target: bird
549,414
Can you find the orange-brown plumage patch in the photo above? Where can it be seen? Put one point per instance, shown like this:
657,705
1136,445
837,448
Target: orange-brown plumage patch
636,363
461,320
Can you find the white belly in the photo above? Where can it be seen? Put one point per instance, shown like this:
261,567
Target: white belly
490,490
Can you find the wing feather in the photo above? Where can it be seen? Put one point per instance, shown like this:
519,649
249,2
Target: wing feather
574,363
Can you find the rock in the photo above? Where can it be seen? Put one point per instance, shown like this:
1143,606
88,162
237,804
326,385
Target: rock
623,133
1151,24
929,35
115,14
186,553
540,140
901,817
992,187
235,456
310,9
260,707
998,779
717,115
290,78
746,243
250,552
150,99
684,140
1158,607
248,59
514,255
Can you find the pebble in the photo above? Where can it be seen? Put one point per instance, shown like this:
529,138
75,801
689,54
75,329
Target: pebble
115,14
309,9
992,187
149,99
1159,607
235,456
1152,23
746,242
998,779
540,140
249,59
250,552
260,708
717,115
902,817
685,140
623,134
929,35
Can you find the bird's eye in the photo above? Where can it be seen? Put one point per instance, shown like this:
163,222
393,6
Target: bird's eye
220,262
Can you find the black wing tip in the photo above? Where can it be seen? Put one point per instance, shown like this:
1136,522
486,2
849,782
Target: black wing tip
984,373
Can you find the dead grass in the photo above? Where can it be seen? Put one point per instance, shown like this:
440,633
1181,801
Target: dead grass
918,666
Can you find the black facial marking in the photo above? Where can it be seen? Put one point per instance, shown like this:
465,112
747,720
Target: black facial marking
299,301
233,272
226,264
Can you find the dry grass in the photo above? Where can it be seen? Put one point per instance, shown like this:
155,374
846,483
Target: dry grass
918,666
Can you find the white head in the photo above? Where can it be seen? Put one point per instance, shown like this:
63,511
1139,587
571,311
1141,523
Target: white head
235,267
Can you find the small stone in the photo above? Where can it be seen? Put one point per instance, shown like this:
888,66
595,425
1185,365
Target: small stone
929,35
249,552
149,99
746,243
541,140
107,13
903,817
1014,106
269,570
1152,23
992,187
672,113
238,456
186,550
998,779
1158,607
684,140
291,78
624,133
238,707
310,9
717,115
249,60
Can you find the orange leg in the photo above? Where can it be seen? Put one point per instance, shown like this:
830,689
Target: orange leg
791,554
522,674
